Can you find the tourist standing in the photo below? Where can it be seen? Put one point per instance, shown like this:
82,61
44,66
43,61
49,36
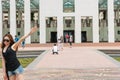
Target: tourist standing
62,42
59,44
23,43
70,40
16,38
67,37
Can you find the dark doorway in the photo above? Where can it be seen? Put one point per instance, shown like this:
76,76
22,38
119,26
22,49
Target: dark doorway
83,36
53,37
69,32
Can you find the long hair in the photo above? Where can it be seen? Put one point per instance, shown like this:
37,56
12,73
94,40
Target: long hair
3,45
11,40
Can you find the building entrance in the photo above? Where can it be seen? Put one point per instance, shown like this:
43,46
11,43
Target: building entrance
83,36
53,37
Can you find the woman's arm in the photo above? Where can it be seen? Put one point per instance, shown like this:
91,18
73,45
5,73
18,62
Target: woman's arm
4,68
14,46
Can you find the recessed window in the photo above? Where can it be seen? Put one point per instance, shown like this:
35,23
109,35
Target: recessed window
86,21
68,6
51,22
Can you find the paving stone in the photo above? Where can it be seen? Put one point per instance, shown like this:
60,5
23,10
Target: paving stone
65,74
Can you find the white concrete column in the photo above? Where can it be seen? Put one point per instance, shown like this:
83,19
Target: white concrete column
96,23
60,20
42,22
1,21
60,26
77,22
27,19
77,29
42,30
111,34
13,17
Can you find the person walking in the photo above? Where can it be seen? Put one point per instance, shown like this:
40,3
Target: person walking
70,41
62,42
10,62
16,38
23,44
67,37
59,44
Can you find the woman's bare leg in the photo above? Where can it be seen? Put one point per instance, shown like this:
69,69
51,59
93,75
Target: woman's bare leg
12,77
19,77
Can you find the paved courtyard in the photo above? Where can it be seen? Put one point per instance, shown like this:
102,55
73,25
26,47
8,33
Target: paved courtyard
76,63
73,74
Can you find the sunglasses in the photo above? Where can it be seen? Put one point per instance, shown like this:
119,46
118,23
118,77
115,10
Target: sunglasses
7,40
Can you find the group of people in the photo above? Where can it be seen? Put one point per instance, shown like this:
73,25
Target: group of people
12,69
59,46
69,39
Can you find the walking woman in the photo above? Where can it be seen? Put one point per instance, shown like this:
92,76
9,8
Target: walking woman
10,64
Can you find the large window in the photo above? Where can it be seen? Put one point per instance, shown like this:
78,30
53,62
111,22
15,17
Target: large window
69,22
68,6
51,22
86,21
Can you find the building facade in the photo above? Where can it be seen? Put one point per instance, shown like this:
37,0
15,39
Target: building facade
92,21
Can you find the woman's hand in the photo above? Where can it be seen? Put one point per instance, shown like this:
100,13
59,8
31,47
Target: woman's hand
33,30
15,46
5,77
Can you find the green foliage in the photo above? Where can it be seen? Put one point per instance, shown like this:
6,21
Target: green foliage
24,61
117,58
